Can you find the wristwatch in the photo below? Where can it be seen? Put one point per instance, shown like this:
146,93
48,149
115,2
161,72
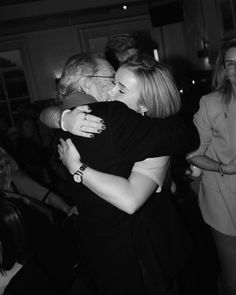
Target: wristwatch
78,175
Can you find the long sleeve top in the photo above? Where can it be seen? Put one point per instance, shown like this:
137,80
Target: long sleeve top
216,124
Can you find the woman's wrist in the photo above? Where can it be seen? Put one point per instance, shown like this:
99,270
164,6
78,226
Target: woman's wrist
75,167
62,118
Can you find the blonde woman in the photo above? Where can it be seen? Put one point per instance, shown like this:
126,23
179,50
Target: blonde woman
216,157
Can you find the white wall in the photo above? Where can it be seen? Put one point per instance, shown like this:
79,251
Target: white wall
49,50
170,39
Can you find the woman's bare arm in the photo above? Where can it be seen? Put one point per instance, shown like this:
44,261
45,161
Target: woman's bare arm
126,194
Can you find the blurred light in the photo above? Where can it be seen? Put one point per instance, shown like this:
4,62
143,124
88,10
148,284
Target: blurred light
207,64
181,91
125,7
193,82
155,53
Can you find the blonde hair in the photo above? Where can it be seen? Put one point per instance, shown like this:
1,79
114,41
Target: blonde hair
158,91
220,81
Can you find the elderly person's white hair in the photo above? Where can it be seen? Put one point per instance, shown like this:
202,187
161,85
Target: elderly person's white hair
79,67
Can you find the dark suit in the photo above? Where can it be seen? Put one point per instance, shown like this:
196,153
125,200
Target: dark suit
109,235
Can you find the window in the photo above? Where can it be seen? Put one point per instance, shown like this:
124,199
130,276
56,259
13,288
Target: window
13,86
227,9
16,80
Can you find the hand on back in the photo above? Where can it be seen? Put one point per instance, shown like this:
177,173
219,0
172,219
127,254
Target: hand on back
69,155
80,122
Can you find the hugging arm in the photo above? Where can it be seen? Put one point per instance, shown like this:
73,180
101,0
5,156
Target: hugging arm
73,120
154,137
126,194
51,116
137,137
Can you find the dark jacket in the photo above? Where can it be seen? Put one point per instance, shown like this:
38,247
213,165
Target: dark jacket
110,237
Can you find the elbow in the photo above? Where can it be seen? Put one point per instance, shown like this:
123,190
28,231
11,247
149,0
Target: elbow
131,207
130,210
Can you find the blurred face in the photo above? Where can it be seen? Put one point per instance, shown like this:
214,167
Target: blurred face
128,53
28,128
230,65
102,82
126,88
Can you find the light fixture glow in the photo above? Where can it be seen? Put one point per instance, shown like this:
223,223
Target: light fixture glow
155,53
125,7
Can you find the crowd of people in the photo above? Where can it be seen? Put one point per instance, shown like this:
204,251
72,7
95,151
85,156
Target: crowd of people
99,210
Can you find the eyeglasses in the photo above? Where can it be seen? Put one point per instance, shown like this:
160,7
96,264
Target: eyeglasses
96,76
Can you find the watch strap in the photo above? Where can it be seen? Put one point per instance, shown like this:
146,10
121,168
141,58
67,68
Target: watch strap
80,171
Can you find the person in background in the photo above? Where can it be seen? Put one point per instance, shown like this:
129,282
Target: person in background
98,216
29,152
216,157
31,242
36,227
120,48
16,183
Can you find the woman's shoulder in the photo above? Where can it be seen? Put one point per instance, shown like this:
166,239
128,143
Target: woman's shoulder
213,98
211,104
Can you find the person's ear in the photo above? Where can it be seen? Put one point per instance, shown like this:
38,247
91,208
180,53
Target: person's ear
85,85
142,110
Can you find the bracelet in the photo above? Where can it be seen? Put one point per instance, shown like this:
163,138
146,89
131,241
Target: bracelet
61,120
220,168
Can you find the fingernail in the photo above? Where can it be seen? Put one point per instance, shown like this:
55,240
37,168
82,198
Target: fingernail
91,135
102,121
103,127
99,130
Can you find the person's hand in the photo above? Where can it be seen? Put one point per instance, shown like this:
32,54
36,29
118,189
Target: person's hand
72,210
80,122
193,171
69,155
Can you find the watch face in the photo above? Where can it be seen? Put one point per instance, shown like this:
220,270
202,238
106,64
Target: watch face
77,177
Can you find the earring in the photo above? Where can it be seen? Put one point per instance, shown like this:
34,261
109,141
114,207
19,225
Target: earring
142,110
